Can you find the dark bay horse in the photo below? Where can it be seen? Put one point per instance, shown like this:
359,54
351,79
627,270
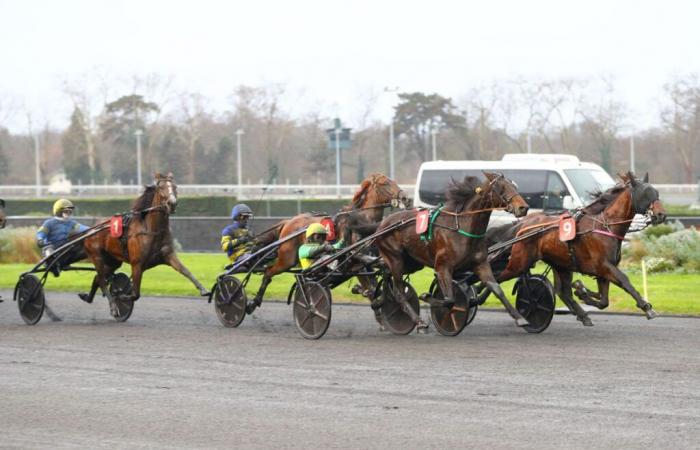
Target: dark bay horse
457,243
3,216
148,242
376,193
596,249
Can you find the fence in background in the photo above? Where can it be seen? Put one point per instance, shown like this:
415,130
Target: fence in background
672,194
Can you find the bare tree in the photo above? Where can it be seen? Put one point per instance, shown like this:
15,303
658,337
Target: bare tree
682,119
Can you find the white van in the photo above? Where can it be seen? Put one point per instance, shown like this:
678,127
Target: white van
547,182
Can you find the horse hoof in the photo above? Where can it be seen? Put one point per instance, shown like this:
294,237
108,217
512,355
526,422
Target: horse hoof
422,329
586,321
651,314
522,322
85,297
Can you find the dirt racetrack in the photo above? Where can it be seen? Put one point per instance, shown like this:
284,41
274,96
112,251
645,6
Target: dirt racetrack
172,377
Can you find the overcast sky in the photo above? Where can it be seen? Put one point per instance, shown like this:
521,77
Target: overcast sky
334,52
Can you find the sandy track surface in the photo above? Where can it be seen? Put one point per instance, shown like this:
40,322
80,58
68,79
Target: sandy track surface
172,377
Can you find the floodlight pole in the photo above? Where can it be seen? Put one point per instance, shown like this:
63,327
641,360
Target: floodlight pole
239,169
138,134
37,166
632,162
434,133
337,161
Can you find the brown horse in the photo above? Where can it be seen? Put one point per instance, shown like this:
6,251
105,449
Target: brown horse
596,249
376,193
148,242
457,242
3,217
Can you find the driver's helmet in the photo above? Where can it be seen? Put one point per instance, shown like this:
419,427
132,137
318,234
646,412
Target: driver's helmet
62,204
315,228
240,210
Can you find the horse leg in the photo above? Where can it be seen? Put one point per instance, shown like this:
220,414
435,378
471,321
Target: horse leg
103,271
598,299
399,295
368,284
286,259
173,261
136,276
618,277
90,296
483,271
562,286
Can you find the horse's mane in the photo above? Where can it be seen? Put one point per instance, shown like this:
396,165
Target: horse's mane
359,197
460,192
602,199
145,200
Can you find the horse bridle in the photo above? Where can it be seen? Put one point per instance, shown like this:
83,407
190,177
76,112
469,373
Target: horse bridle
505,199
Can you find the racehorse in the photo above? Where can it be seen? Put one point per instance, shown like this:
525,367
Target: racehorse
3,217
376,192
596,249
148,242
456,244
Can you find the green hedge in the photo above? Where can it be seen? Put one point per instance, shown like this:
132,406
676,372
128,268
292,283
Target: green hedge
187,206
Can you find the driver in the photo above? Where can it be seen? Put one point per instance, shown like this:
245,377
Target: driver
316,245
56,231
236,238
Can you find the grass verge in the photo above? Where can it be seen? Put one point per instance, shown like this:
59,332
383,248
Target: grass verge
668,292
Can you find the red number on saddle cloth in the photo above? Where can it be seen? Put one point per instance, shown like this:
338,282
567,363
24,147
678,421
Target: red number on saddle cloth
116,226
422,221
567,228
330,228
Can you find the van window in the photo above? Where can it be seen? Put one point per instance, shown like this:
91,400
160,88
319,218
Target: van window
541,189
587,181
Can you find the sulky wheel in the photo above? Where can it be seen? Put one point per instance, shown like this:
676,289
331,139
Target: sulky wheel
121,290
312,309
229,301
394,318
535,301
451,321
29,294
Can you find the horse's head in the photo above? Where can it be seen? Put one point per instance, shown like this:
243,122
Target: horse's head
378,189
166,191
503,193
645,198
3,219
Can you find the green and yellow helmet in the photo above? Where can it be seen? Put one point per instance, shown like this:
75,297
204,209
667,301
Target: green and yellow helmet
62,204
315,228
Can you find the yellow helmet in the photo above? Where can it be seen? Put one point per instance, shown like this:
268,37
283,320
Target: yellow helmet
315,228
62,204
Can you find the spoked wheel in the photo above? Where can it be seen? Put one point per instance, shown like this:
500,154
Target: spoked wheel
121,290
394,318
451,321
312,309
535,301
229,301
29,294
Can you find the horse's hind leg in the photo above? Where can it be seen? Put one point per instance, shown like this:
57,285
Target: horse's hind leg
612,273
173,261
286,259
598,299
483,271
562,286
89,297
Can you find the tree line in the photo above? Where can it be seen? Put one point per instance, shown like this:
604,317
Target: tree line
182,132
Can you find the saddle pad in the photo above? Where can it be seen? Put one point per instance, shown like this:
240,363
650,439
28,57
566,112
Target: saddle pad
116,226
330,228
422,221
567,229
